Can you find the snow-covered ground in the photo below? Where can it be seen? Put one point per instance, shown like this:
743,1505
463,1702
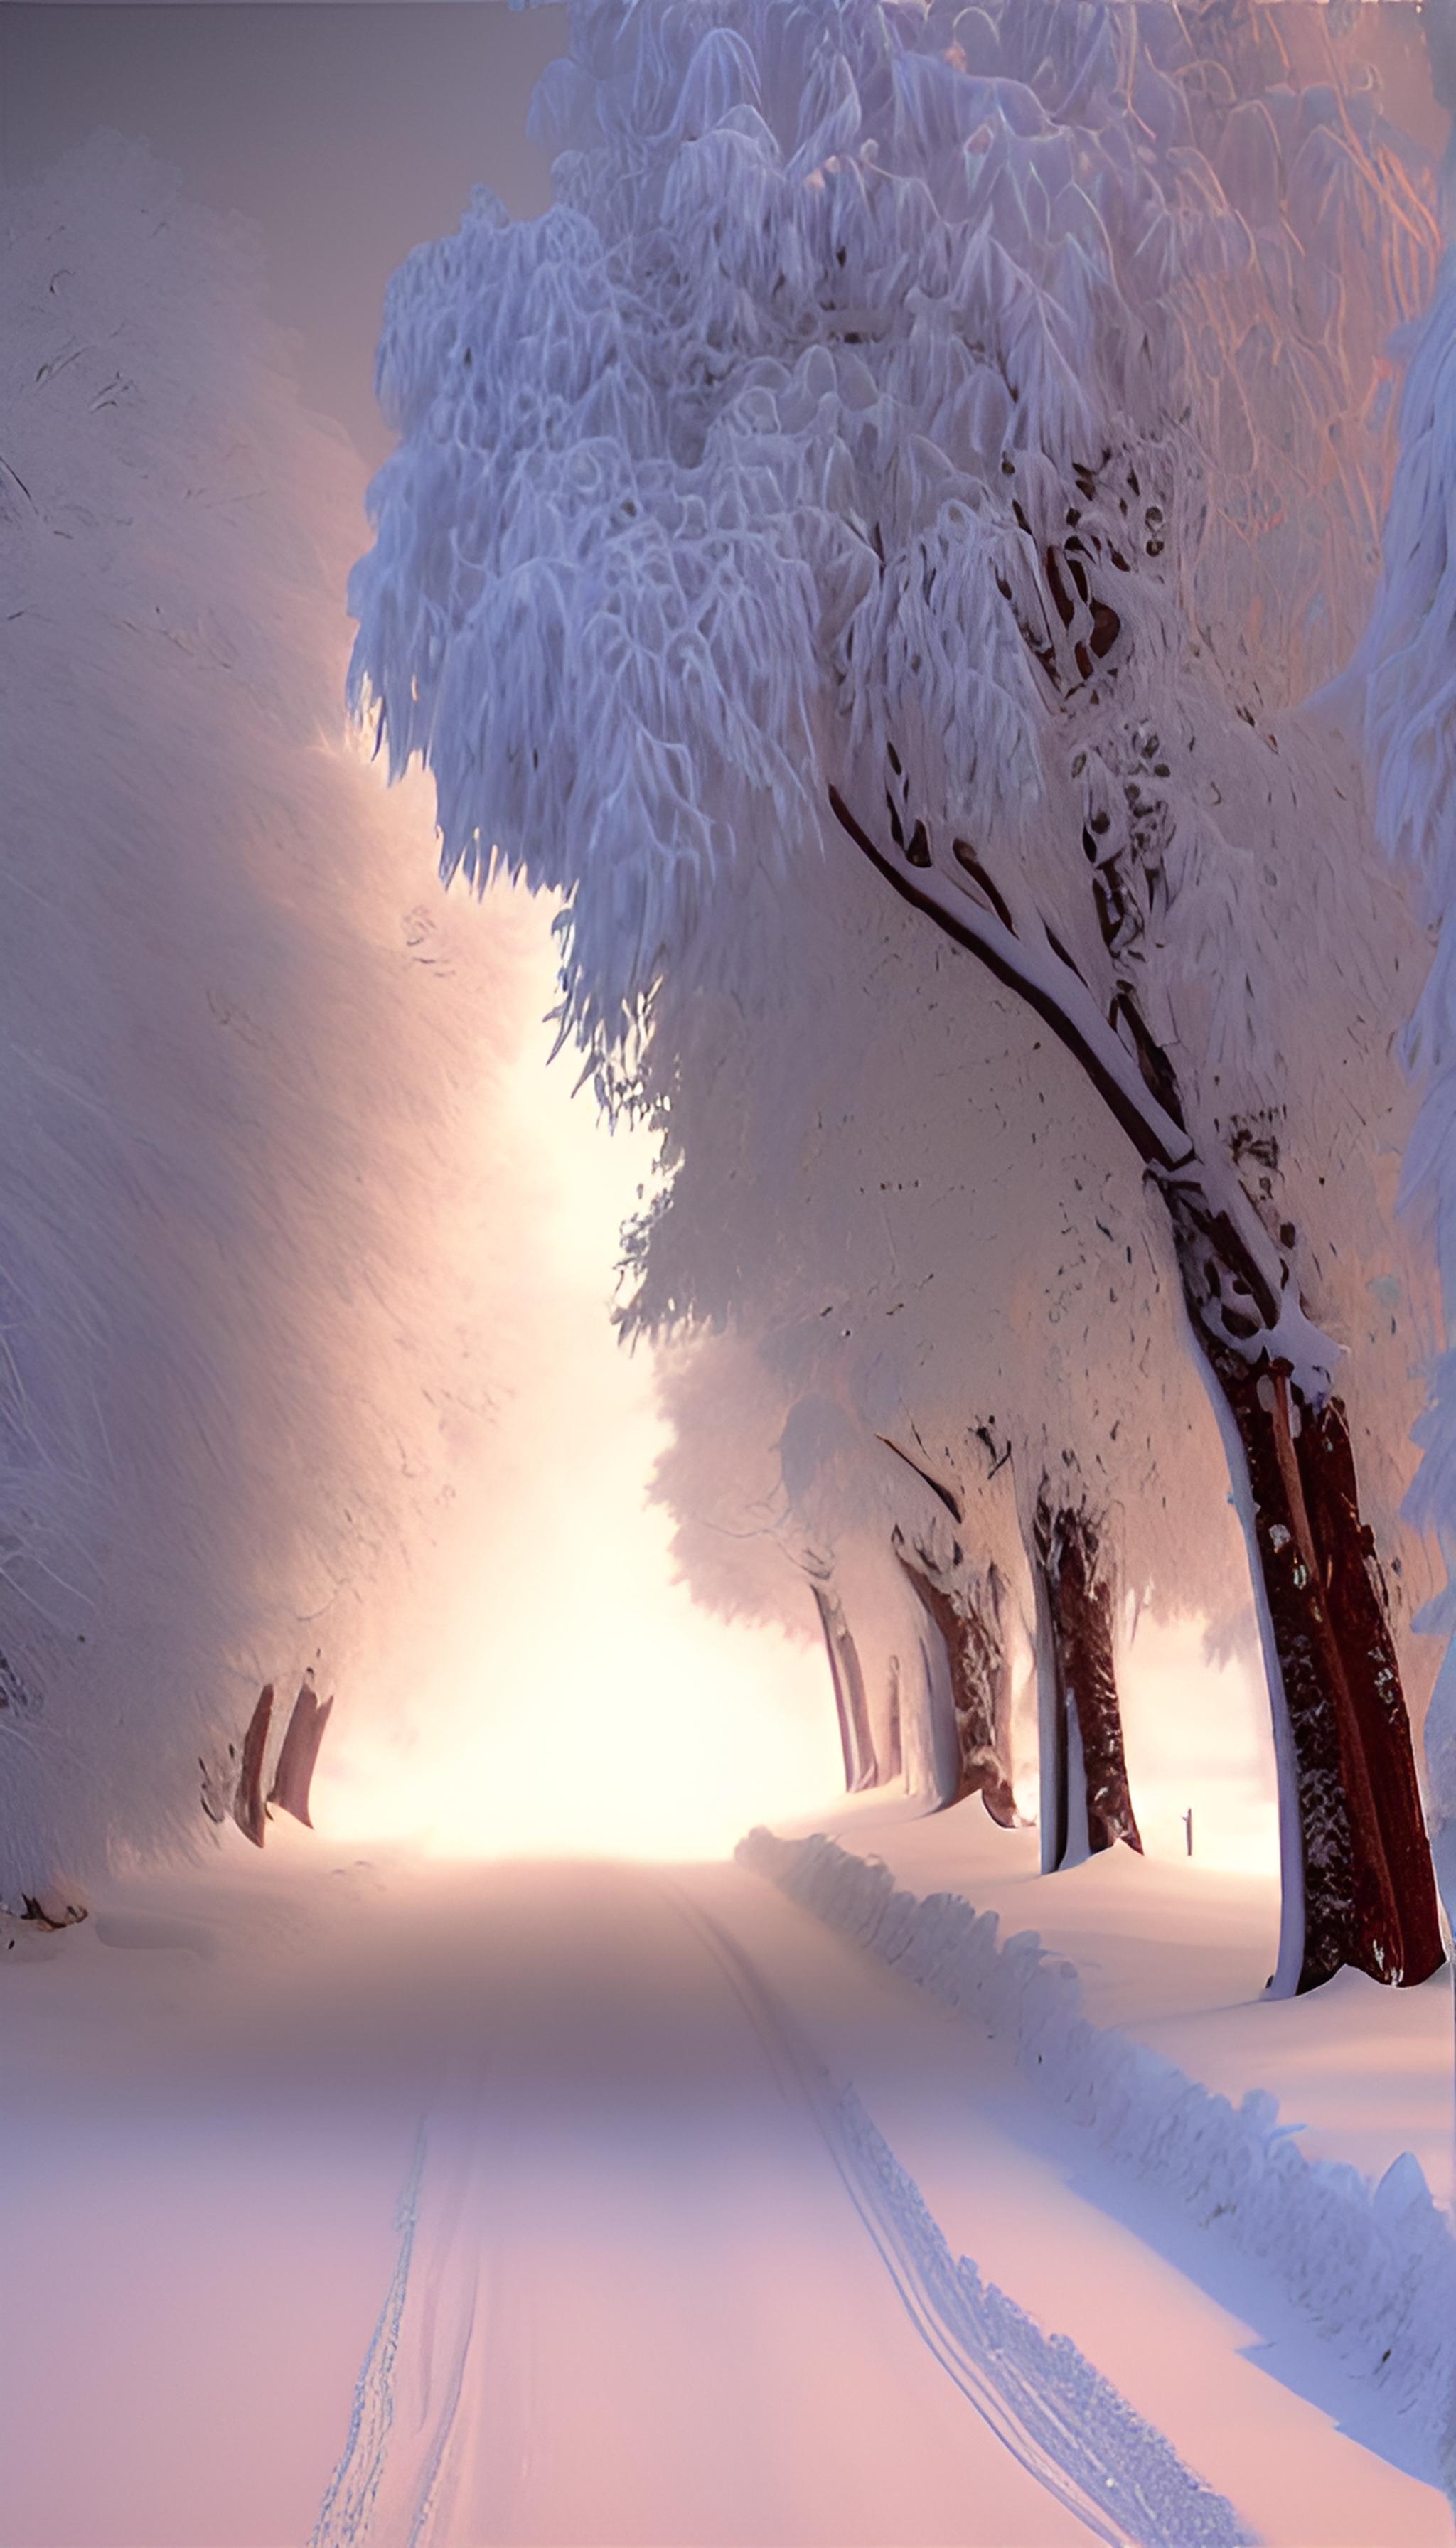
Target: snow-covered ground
1177,1955
1280,2154
385,2201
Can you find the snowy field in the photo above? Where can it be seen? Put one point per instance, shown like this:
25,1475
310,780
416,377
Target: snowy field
382,2201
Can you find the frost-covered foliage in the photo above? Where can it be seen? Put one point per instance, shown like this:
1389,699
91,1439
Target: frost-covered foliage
232,1082
986,402
756,459
735,1538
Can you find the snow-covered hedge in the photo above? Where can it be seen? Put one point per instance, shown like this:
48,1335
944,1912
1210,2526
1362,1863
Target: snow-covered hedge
1373,2266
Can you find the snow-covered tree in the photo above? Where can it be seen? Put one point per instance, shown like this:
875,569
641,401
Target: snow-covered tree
1401,687
937,1247
955,440
238,1094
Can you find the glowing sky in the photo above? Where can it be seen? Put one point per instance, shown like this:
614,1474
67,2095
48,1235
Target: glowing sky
565,1694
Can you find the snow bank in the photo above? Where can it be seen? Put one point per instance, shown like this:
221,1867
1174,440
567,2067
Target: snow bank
1371,2265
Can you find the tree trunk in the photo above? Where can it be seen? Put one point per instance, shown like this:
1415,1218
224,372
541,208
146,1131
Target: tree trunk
980,1684
894,1764
1077,1599
861,1769
1369,1890
248,1802
293,1779
1359,1610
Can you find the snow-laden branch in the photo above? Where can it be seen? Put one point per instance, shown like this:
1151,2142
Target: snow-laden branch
1252,1307
1048,983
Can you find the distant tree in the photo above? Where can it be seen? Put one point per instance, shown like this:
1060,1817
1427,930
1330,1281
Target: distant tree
946,1258
962,433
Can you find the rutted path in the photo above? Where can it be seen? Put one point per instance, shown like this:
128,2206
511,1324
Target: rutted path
660,2278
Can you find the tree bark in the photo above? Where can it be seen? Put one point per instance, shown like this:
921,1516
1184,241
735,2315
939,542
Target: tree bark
980,1684
1359,1612
1370,1895
861,1769
1079,1612
248,1802
1368,1886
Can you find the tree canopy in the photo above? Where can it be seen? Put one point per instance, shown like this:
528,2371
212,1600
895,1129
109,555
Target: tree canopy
957,441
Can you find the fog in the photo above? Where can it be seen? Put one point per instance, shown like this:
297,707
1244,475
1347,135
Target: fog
563,1692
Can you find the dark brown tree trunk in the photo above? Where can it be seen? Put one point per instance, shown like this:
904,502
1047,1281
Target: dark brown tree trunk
861,1769
1078,1608
979,1677
248,1802
998,1798
1369,1890
1359,1610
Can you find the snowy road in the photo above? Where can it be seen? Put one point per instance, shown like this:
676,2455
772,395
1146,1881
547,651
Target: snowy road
658,2282
659,2273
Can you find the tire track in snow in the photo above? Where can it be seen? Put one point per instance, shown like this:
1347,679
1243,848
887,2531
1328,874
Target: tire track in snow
394,2485
355,2483
1051,2409
1065,2424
